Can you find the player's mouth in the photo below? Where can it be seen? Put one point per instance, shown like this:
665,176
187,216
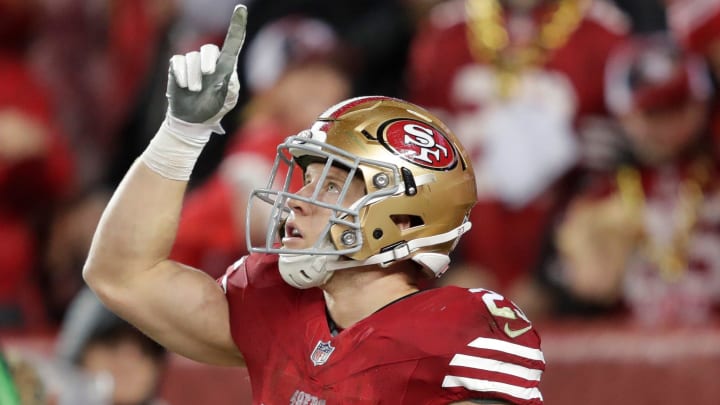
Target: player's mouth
292,234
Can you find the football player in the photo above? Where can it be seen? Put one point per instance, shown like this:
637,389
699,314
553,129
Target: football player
327,310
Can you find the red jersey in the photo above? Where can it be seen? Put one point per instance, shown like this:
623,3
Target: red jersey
435,347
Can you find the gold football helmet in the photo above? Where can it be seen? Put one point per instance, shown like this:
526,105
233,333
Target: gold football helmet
413,167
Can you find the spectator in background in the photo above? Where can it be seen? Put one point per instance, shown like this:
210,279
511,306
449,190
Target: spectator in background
36,167
647,235
99,360
293,78
375,36
96,342
30,378
696,24
516,80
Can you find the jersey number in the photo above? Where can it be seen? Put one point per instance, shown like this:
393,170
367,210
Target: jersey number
511,311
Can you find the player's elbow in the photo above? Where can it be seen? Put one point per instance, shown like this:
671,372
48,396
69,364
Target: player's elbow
94,276
91,273
105,283
100,274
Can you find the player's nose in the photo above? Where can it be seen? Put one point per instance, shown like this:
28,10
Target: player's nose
297,202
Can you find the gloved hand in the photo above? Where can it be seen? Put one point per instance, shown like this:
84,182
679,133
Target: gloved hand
202,87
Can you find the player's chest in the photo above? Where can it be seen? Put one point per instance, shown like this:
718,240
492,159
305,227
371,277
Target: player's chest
361,366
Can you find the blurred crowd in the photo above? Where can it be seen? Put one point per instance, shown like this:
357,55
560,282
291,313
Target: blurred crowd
593,124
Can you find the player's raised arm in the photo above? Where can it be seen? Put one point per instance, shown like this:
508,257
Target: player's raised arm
128,266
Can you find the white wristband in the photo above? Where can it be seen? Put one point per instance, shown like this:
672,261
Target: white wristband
173,151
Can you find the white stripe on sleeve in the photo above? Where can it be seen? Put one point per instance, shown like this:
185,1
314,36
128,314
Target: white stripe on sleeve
475,384
507,347
481,363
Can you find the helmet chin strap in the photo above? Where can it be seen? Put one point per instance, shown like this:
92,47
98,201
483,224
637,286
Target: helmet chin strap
430,261
306,271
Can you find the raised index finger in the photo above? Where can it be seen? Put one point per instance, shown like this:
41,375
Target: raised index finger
234,38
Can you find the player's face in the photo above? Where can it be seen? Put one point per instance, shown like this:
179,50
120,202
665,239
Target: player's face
307,221
658,136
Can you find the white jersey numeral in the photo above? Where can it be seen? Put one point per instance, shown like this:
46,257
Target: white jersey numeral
491,298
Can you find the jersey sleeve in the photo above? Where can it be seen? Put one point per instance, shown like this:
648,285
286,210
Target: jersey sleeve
252,281
503,362
236,276
258,302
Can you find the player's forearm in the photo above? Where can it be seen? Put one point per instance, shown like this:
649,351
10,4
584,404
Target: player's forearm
137,228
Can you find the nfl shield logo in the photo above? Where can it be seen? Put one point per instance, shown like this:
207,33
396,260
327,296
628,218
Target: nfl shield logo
321,353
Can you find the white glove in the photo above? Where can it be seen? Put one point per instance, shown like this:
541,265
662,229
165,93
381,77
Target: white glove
202,87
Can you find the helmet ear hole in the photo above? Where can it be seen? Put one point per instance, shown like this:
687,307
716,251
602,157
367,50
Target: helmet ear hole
405,222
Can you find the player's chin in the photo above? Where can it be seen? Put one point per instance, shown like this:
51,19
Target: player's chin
293,243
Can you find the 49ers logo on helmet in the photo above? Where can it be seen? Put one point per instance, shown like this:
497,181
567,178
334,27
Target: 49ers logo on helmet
418,143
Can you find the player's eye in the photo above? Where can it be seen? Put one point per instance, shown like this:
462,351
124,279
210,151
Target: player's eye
332,187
